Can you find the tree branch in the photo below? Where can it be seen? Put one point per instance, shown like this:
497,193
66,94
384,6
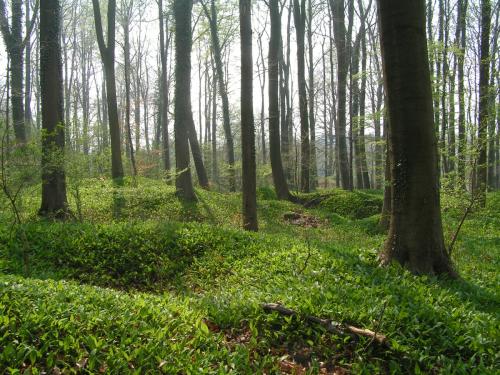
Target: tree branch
329,325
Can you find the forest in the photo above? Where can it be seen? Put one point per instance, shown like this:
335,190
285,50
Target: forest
249,187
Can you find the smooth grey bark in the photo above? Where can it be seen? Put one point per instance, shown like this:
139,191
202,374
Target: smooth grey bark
107,51
247,120
217,54
280,183
484,71
183,113
339,31
299,15
54,201
415,235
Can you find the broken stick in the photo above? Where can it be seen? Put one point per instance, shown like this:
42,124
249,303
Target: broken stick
329,325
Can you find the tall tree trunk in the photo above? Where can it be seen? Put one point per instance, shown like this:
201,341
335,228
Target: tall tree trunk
339,31
84,92
215,170
145,105
247,121
325,117
362,100
462,138
261,63
444,80
54,202
126,54
492,111
105,125
108,59
312,98
451,98
299,14
164,89
484,66
28,118
285,101
354,112
415,235
137,74
13,40
183,113
333,117
217,53
377,102
280,183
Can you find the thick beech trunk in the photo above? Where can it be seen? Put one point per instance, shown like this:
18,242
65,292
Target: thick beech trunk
54,201
183,113
415,235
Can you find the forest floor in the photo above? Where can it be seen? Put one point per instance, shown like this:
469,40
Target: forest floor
146,284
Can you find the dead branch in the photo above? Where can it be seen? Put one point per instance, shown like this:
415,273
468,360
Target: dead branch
466,213
330,325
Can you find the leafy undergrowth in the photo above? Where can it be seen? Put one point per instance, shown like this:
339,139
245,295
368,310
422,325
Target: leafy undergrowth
186,296
351,204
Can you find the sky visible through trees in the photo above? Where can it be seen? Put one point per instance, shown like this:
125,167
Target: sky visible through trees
79,38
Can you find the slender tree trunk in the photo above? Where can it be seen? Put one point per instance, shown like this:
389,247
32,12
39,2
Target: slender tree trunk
362,101
108,59
28,118
312,98
126,53
54,202
145,105
415,235
451,99
462,138
13,40
217,53
215,170
444,79
280,183
84,93
183,113
325,119
105,125
339,30
261,62
247,120
164,90
484,66
354,112
492,112
299,13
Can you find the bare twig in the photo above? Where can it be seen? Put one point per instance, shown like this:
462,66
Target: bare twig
466,213
379,324
308,255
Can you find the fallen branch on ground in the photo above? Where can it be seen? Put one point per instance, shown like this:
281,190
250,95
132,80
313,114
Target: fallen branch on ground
329,325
